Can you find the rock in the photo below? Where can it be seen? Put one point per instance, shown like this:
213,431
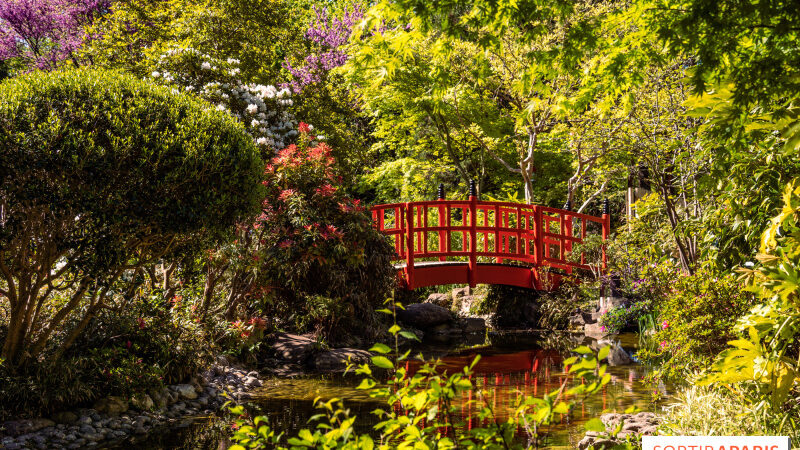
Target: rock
336,360
142,402
252,382
424,315
442,300
607,303
160,397
473,325
577,320
111,405
461,292
294,348
87,430
40,423
186,391
85,420
594,330
649,430
618,356
65,417
23,427
465,305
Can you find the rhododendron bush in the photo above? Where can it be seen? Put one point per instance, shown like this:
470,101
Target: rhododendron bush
263,109
312,260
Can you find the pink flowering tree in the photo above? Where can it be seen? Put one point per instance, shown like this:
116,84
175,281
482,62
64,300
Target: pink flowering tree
312,255
43,33
328,36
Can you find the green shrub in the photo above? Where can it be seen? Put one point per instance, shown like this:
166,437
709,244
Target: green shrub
624,317
696,317
137,346
312,258
762,367
103,173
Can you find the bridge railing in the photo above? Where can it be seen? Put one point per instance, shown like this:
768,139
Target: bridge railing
475,231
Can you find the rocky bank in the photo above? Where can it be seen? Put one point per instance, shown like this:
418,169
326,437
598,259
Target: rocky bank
116,419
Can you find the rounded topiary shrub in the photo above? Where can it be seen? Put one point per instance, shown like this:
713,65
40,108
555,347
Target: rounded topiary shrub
99,172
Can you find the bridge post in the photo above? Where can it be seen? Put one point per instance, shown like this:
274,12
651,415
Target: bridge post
410,244
606,229
473,239
444,221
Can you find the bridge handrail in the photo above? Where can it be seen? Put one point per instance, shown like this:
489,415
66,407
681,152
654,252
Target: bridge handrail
515,229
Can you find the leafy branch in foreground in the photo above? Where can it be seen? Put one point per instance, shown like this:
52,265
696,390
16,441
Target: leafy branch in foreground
421,410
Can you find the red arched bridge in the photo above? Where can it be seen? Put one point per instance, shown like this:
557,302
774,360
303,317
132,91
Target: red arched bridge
478,242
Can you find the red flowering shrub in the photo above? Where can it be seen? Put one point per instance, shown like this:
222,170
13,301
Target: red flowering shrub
313,254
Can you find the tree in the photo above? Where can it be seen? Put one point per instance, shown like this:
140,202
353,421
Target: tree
102,173
522,77
43,33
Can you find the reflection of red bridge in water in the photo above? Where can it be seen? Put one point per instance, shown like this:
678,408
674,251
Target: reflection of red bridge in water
503,378
476,242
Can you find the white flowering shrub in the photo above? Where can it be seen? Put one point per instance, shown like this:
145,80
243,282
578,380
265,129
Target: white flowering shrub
263,109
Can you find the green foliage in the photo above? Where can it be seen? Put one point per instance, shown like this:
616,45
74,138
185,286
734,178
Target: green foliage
696,315
712,411
106,173
762,367
622,318
134,348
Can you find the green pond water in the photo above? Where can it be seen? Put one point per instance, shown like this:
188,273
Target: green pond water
512,364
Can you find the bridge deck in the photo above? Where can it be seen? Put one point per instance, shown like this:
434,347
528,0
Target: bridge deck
432,273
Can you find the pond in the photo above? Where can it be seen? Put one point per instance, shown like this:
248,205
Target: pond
512,364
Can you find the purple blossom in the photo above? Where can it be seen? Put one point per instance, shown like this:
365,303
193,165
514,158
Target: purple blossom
329,35
45,32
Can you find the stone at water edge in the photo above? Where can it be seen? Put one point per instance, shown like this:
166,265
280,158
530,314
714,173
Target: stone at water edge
111,405
160,397
293,347
142,402
65,417
186,391
617,356
252,382
424,315
336,360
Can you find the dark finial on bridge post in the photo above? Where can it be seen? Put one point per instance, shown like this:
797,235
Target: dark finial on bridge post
606,206
473,190
568,206
440,192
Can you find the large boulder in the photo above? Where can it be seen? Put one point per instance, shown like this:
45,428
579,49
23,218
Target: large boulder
111,405
293,347
186,391
336,360
424,315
